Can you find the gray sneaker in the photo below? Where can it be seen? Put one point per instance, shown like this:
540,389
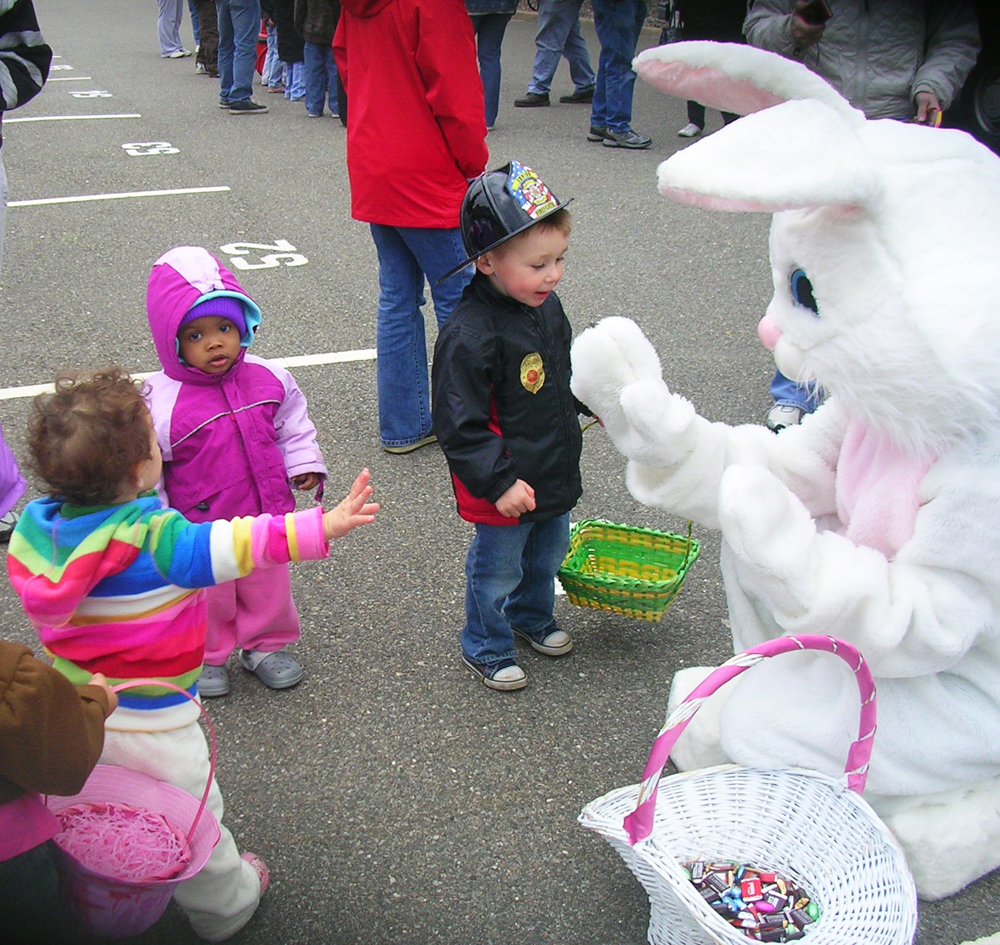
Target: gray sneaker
626,139
7,524
276,670
247,107
214,681
781,416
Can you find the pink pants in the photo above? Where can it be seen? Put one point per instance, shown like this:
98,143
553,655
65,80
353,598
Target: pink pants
255,612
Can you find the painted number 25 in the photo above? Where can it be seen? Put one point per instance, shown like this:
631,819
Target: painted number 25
138,148
285,255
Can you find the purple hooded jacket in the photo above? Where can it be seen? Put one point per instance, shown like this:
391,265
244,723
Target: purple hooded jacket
230,442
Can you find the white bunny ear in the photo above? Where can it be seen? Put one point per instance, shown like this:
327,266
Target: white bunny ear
736,78
789,157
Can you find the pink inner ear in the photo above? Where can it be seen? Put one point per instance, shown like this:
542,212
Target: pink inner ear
715,202
709,86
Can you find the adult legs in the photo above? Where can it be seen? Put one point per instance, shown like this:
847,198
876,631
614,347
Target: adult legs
208,48
332,84
559,34
405,257
295,85
245,24
696,113
577,54
227,47
618,24
168,26
195,23
315,75
489,29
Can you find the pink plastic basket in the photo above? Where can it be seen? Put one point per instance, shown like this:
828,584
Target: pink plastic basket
105,905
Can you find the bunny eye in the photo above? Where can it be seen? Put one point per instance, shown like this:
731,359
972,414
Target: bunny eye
802,291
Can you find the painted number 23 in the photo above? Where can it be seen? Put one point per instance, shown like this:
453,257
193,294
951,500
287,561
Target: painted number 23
285,255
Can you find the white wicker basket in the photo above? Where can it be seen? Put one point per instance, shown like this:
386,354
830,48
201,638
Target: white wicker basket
808,827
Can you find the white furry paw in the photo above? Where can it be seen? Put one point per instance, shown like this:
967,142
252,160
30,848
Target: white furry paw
616,373
770,531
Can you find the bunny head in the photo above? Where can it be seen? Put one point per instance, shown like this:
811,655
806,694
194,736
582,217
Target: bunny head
884,244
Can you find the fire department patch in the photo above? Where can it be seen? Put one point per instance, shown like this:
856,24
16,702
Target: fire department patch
532,372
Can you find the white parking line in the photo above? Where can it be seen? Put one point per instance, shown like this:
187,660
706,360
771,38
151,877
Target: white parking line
68,78
302,360
84,198
992,940
11,121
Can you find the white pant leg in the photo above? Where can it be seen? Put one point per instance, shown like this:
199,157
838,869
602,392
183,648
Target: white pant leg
220,899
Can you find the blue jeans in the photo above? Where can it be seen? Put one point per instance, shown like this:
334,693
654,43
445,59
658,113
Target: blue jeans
295,84
407,255
489,29
239,25
320,77
788,393
195,23
510,585
618,24
274,70
559,35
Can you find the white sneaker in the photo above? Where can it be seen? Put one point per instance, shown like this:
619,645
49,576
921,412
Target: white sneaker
690,130
781,416
199,68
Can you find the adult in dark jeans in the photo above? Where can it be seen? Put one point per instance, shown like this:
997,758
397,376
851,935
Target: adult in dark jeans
618,24
720,21
239,25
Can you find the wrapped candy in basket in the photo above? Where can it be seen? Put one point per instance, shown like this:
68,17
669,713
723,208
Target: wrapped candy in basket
815,831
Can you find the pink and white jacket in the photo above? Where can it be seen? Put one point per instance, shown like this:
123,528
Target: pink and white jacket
230,442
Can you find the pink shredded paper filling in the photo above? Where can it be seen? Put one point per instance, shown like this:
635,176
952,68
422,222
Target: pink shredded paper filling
122,842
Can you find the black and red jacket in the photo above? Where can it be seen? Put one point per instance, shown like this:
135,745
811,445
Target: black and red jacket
502,407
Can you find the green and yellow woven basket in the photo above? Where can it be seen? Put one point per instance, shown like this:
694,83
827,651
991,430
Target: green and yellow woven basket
632,571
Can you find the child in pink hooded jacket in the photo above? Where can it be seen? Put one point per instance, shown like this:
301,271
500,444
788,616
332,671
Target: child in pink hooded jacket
235,437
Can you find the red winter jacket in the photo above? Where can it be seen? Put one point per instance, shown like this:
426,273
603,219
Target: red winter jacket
416,128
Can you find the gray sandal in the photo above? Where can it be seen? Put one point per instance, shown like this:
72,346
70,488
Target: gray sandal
276,670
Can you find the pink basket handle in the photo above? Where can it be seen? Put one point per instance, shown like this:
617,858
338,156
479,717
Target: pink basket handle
133,684
639,824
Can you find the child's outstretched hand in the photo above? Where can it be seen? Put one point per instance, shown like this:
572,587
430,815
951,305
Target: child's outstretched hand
519,498
353,511
306,482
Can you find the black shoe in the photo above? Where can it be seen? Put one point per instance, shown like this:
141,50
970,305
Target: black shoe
532,100
578,97
626,139
598,134
247,107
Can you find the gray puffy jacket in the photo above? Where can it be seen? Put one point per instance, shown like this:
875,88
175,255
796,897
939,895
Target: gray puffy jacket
873,51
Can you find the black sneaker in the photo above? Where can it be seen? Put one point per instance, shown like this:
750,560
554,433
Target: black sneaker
224,104
532,100
247,107
598,134
624,139
578,97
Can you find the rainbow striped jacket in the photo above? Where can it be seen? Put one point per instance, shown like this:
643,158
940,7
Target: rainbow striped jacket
118,589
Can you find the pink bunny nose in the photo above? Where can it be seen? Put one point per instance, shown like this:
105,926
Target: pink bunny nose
768,332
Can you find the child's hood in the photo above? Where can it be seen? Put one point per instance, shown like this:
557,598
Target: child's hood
181,278
57,556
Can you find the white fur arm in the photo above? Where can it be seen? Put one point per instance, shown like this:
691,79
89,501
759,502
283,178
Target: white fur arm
677,457
919,613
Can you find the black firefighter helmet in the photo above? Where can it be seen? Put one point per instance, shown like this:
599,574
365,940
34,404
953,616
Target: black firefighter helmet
498,205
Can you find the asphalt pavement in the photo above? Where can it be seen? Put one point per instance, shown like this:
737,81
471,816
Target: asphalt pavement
396,800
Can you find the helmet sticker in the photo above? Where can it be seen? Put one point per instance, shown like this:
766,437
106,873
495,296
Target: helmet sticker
532,372
530,192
